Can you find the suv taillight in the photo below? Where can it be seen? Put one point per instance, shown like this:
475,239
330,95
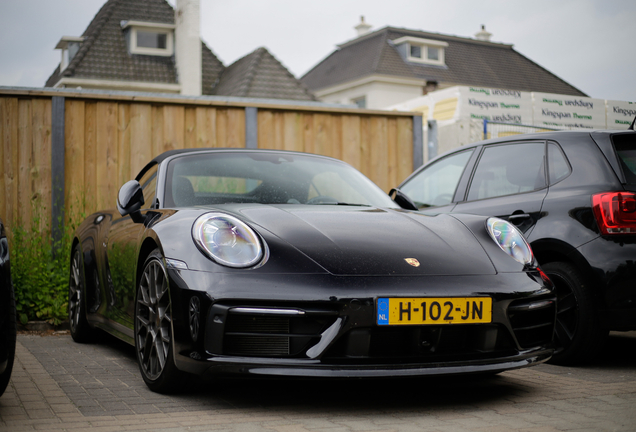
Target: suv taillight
615,212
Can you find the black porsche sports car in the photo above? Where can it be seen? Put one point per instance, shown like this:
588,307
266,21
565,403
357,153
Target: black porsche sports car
261,262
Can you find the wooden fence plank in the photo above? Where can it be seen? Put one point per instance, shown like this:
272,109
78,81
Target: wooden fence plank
279,131
221,127
336,137
404,146
308,132
265,120
140,150
90,156
351,140
25,161
41,169
124,143
365,146
74,157
323,139
235,133
190,139
157,131
10,159
107,155
379,155
206,127
392,153
173,128
4,114
293,137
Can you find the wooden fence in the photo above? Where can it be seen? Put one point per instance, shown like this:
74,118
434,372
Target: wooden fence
72,150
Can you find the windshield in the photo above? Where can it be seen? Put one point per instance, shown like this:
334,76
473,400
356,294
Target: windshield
267,178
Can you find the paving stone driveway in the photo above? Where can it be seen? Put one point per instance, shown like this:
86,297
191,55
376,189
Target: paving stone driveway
58,385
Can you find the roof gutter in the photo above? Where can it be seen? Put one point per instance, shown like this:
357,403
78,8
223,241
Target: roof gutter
88,83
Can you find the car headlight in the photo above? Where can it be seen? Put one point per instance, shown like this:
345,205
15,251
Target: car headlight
510,240
227,240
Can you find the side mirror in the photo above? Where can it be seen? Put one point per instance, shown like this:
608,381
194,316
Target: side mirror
130,199
402,199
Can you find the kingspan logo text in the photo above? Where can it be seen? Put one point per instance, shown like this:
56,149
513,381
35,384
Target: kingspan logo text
625,112
482,104
555,114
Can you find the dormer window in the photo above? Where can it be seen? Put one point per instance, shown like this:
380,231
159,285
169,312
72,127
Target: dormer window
419,50
149,38
69,46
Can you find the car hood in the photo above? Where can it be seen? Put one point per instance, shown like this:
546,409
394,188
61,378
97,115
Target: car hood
373,241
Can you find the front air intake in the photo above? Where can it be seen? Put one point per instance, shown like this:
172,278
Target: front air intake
532,322
275,332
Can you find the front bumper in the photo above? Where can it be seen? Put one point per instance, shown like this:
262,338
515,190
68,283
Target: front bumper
326,326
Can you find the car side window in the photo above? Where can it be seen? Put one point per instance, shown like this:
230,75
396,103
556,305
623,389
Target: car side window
558,166
508,169
435,185
148,184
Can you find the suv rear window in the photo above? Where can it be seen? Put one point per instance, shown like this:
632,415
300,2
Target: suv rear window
625,146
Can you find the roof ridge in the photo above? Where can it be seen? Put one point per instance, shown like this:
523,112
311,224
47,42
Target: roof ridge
250,72
383,45
453,37
442,35
284,69
108,9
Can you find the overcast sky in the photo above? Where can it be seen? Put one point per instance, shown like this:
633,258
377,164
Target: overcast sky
589,43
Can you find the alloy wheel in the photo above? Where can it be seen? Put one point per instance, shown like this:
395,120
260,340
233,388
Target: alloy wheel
75,292
154,320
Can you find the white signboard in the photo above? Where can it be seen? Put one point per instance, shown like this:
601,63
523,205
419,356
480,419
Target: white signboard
498,105
620,114
568,112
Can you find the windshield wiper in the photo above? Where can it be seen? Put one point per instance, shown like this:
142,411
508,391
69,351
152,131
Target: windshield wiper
340,203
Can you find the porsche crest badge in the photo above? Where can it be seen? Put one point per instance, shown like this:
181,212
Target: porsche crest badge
412,261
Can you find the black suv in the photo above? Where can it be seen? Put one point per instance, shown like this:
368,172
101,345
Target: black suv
572,194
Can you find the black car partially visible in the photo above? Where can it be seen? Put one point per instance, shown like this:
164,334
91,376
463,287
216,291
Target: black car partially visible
7,314
573,195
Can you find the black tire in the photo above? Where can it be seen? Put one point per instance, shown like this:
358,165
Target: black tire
578,336
81,331
153,328
8,335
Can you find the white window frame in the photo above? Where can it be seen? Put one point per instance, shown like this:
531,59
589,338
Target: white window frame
424,45
135,26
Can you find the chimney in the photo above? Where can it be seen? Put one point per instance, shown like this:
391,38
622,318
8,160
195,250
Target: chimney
483,34
362,28
188,46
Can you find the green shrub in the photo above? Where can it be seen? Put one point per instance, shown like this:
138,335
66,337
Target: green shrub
40,272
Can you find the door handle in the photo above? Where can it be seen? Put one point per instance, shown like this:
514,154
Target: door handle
518,218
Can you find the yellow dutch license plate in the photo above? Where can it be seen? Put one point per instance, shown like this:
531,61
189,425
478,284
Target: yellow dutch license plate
434,310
